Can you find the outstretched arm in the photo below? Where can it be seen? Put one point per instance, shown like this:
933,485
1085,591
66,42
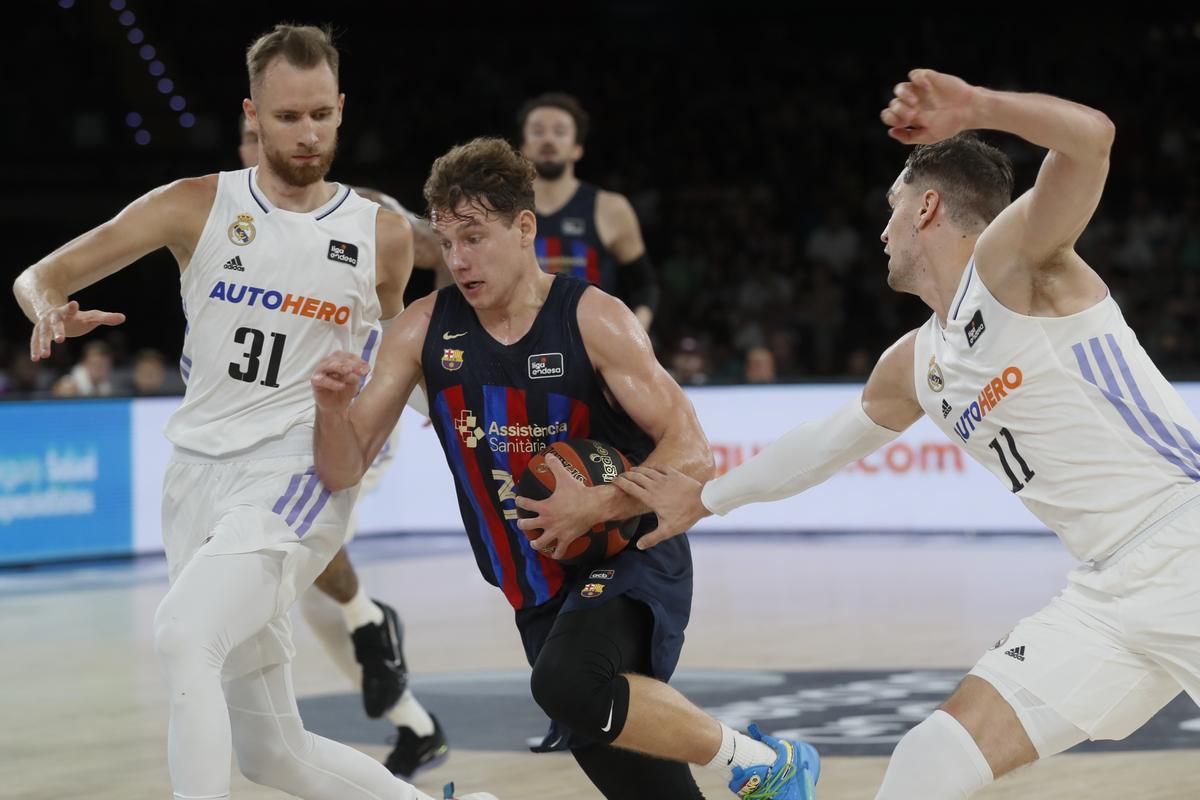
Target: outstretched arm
803,457
170,216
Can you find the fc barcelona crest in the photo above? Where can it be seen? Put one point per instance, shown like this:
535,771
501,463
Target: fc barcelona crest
452,359
592,590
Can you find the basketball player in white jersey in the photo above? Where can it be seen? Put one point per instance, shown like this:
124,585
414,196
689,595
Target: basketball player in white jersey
364,637
1028,364
276,266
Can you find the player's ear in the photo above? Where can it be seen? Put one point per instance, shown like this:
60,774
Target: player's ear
577,153
251,114
930,202
527,224
341,106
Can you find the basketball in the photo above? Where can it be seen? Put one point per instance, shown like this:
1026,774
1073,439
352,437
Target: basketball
592,464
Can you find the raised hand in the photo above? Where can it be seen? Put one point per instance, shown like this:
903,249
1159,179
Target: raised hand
929,107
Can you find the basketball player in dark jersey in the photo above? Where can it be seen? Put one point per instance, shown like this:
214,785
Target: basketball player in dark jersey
583,230
602,640
363,636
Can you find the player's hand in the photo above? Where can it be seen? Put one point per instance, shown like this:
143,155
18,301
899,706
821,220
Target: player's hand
564,516
929,107
66,321
671,495
336,379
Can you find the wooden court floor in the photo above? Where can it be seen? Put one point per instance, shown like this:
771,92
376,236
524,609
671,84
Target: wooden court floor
84,713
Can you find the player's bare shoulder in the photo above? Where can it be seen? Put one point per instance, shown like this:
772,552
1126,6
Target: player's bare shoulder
411,327
890,396
187,199
393,236
174,214
616,221
393,260
610,330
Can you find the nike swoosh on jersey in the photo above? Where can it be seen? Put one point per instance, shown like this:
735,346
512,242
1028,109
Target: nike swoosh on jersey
449,336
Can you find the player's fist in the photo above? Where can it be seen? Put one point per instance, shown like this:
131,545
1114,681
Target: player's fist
336,380
63,322
929,107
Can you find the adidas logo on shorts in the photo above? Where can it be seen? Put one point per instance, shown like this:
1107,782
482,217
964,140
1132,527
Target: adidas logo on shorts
235,264
1017,652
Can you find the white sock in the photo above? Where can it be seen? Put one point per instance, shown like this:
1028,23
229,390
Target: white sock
739,750
937,760
408,713
361,611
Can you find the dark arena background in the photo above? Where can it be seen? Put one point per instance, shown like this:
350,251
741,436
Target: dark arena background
751,149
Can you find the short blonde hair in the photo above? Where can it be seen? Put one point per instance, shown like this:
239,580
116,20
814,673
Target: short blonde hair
304,46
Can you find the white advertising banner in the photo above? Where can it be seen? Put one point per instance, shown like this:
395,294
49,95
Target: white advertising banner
920,482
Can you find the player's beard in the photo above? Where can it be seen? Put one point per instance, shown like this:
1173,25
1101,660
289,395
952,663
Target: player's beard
295,174
550,170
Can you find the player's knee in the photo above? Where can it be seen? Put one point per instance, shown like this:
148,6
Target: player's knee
591,702
264,763
936,760
179,643
552,689
263,758
172,639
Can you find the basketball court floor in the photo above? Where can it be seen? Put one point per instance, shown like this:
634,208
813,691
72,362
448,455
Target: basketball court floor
843,640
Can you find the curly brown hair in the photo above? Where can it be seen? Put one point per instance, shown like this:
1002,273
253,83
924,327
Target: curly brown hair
486,172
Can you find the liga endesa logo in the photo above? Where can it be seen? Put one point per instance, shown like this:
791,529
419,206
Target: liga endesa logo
897,458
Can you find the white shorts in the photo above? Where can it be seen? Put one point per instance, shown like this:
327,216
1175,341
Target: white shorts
1118,643
267,500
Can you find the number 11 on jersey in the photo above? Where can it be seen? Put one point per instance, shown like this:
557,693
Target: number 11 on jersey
1012,449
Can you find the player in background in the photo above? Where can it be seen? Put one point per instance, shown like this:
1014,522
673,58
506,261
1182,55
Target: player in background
583,230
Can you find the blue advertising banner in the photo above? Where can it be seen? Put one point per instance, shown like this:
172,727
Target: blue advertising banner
65,480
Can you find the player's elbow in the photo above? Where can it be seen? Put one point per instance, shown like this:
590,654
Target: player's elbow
335,480
706,464
1105,133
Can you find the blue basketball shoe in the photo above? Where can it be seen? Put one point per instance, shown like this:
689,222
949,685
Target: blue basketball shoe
793,776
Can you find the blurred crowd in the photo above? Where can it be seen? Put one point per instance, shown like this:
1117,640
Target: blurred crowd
758,177
103,368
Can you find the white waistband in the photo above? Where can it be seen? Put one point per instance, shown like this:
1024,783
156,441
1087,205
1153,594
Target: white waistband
296,442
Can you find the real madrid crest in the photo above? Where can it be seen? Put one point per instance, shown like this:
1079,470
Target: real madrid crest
452,359
241,232
936,382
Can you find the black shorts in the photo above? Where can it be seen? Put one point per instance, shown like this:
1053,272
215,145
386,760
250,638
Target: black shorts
660,577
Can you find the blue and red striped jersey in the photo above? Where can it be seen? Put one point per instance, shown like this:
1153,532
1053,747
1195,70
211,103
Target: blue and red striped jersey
495,406
568,243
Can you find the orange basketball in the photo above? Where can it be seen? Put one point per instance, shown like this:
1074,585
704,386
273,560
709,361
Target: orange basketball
592,464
